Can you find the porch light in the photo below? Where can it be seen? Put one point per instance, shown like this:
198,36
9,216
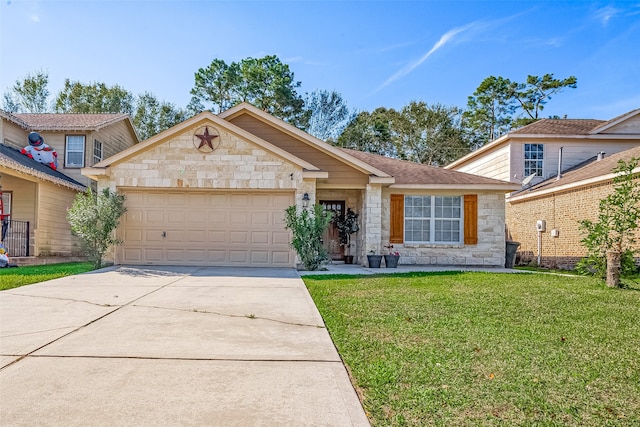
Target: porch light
305,200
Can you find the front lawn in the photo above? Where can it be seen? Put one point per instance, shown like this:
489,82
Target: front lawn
486,349
15,277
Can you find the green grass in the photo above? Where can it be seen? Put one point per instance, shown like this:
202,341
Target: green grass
15,277
486,349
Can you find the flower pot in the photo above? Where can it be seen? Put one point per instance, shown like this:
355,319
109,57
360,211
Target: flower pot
374,261
348,259
391,261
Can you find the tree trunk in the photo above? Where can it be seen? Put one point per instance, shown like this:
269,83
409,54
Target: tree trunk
613,269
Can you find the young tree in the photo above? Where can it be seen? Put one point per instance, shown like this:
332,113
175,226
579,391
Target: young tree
307,228
329,114
94,218
610,239
30,95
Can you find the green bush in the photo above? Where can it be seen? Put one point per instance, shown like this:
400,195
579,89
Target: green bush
308,227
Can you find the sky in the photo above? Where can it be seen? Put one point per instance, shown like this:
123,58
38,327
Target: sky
375,53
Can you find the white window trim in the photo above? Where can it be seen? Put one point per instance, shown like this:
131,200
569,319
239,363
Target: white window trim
524,160
66,151
432,222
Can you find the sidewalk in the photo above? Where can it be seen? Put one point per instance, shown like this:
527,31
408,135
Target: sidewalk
338,267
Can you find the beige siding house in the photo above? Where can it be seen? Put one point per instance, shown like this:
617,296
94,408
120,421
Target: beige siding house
37,197
539,151
213,190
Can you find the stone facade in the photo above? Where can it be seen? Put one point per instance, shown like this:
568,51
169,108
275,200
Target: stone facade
235,164
561,211
490,250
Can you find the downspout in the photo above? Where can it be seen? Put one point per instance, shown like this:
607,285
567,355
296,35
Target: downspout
559,164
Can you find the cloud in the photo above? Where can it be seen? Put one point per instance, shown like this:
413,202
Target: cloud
605,14
444,40
34,18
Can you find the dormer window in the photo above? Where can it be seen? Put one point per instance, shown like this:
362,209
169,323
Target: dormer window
533,159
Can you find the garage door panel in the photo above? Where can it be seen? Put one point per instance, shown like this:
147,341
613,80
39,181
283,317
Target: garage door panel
206,228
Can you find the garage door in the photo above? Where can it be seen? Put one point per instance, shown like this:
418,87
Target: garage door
204,228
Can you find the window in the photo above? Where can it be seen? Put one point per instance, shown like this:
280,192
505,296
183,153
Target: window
432,219
6,202
97,151
533,157
74,151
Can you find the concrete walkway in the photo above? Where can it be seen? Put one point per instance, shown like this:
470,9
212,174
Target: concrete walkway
170,346
338,267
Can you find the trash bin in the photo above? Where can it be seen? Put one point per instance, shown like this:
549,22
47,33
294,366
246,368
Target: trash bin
510,258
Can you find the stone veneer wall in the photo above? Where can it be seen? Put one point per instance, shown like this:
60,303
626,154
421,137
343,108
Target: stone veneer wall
561,211
235,164
490,250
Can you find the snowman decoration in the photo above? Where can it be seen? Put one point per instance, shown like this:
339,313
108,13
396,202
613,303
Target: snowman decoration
41,152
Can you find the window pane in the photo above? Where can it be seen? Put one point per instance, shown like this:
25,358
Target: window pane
74,155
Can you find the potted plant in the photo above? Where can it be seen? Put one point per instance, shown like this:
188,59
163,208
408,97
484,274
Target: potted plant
347,225
391,259
374,260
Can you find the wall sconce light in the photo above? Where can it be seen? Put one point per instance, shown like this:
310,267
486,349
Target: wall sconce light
305,200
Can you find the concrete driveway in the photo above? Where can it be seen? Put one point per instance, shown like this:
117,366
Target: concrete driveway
170,346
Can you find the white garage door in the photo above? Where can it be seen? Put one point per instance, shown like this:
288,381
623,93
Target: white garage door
205,228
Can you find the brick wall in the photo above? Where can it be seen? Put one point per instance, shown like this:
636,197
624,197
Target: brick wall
561,211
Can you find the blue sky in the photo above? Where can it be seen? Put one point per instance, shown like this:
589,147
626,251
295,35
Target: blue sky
381,53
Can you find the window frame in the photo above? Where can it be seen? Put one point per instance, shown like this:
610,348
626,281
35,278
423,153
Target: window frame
540,159
67,151
7,200
433,219
96,144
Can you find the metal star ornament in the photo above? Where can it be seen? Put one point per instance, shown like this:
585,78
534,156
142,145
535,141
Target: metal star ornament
204,139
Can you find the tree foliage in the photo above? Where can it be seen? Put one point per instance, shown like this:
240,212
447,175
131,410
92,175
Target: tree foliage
499,104
429,134
77,97
328,114
307,228
31,95
151,116
94,218
615,227
265,82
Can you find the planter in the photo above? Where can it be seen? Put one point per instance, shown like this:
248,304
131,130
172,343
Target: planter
348,259
391,261
374,261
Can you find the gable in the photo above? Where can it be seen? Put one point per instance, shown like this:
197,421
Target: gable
340,173
630,126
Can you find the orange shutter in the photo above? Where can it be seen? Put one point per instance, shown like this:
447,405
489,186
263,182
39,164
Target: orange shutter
397,219
470,219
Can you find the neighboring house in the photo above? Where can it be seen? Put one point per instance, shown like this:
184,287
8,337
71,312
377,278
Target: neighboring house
539,151
213,191
562,203
535,149
36,196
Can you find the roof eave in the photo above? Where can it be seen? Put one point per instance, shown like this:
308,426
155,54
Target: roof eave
506,188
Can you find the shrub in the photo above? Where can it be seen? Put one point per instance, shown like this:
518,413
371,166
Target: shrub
308,227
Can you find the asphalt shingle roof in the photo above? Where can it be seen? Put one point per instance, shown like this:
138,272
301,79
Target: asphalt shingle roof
406,172
15,159
66,122
560,127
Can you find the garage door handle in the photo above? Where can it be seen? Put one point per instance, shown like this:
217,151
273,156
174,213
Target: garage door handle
164,234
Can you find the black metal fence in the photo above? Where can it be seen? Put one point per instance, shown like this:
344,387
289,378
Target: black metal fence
15,237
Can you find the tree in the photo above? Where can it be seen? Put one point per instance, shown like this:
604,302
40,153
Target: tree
328,114
307,229
499,104
29,95
489,110
265,82
610,239
151,117
430,134
77,97
94,218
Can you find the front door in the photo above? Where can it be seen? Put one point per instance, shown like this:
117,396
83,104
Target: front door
331,237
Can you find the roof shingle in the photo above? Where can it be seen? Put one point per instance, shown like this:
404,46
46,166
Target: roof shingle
68,122
560,127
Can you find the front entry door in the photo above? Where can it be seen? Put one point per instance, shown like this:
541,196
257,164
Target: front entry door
331,237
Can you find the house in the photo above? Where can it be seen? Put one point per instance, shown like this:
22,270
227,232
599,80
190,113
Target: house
213,191
534,156
561,204
35,196
541,148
